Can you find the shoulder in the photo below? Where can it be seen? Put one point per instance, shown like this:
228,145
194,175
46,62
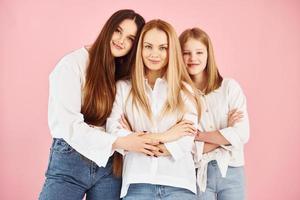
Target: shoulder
123,85
230,84
75,61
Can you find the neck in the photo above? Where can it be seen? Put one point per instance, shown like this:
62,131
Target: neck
152,75
200,80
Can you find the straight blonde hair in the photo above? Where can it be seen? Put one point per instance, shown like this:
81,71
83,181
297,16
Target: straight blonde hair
214,79
176,74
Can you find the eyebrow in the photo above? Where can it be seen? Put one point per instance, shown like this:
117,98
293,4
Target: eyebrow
133,36
195,49
159,45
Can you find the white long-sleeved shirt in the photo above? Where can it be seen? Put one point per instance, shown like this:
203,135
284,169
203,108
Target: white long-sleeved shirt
177,170
64,117
215,107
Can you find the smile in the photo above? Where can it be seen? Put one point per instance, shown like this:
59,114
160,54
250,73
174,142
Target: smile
154,61
117,46
193,65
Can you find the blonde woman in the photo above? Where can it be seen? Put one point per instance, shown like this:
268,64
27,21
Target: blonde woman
158,96
224,123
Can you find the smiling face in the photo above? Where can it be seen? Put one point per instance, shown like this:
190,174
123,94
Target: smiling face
195,56
155,49
123,38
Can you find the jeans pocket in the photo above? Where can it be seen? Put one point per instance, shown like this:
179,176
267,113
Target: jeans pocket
61,146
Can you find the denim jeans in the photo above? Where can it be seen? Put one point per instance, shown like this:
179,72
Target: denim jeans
231,187
143,191
70,176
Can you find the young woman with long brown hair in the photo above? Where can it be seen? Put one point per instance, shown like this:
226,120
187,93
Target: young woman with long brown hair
158,96
82,92
224,126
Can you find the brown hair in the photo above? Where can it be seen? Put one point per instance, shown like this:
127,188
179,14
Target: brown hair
104,70
214,79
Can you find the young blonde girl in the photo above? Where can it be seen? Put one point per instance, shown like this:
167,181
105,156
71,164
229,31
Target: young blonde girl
224,123
157,97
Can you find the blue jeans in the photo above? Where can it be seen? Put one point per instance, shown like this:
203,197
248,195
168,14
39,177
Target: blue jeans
143,191
70,176
231,187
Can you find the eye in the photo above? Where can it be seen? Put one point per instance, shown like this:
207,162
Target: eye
163,48
186,53
130,39
118,31
199,52
148,46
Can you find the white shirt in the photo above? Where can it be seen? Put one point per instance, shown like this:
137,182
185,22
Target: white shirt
64,117
177,170
215,107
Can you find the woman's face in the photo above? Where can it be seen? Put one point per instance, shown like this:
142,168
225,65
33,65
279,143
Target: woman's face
194,56
155,49
123,38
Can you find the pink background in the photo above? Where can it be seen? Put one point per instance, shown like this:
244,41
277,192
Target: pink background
256,42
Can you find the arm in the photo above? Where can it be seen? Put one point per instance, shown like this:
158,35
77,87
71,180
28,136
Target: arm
127,140
234,135
184,145
208,147
65,119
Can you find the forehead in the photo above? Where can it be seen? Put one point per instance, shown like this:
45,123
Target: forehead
128,26
193,43
156,36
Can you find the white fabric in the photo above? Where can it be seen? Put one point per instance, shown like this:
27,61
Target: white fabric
64,117
215,107
177,170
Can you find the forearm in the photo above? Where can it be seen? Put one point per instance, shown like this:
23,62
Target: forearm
213,137
208,147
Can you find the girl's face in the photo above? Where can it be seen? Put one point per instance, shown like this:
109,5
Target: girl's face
194,56
155,49
123,38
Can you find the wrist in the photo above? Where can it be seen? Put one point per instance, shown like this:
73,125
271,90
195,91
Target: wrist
117,143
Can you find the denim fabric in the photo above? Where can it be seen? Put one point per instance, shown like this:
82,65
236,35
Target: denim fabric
143,191
231,187
70,176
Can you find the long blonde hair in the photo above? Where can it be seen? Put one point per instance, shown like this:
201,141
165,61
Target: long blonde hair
214,79
175,73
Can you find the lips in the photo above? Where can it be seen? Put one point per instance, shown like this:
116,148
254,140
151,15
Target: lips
154,61
117,46
193,65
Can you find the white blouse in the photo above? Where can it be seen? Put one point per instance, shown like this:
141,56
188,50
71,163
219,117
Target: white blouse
64,117
177,170
215,107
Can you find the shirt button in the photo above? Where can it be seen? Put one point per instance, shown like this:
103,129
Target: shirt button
211,127
206,110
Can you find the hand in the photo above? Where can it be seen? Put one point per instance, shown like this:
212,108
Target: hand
124,123
234,116
135,142
182,128
163,151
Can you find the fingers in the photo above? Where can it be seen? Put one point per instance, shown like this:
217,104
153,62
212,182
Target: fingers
151,141
185,121
150,147
147,152
139,133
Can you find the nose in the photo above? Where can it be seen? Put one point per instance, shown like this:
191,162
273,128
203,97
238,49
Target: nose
154,53
193,57
121,40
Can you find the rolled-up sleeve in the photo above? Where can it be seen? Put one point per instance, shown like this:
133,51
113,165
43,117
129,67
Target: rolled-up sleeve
113,125
66,120
184,145
237,135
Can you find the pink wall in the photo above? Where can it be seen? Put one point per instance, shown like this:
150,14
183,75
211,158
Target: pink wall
256,42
